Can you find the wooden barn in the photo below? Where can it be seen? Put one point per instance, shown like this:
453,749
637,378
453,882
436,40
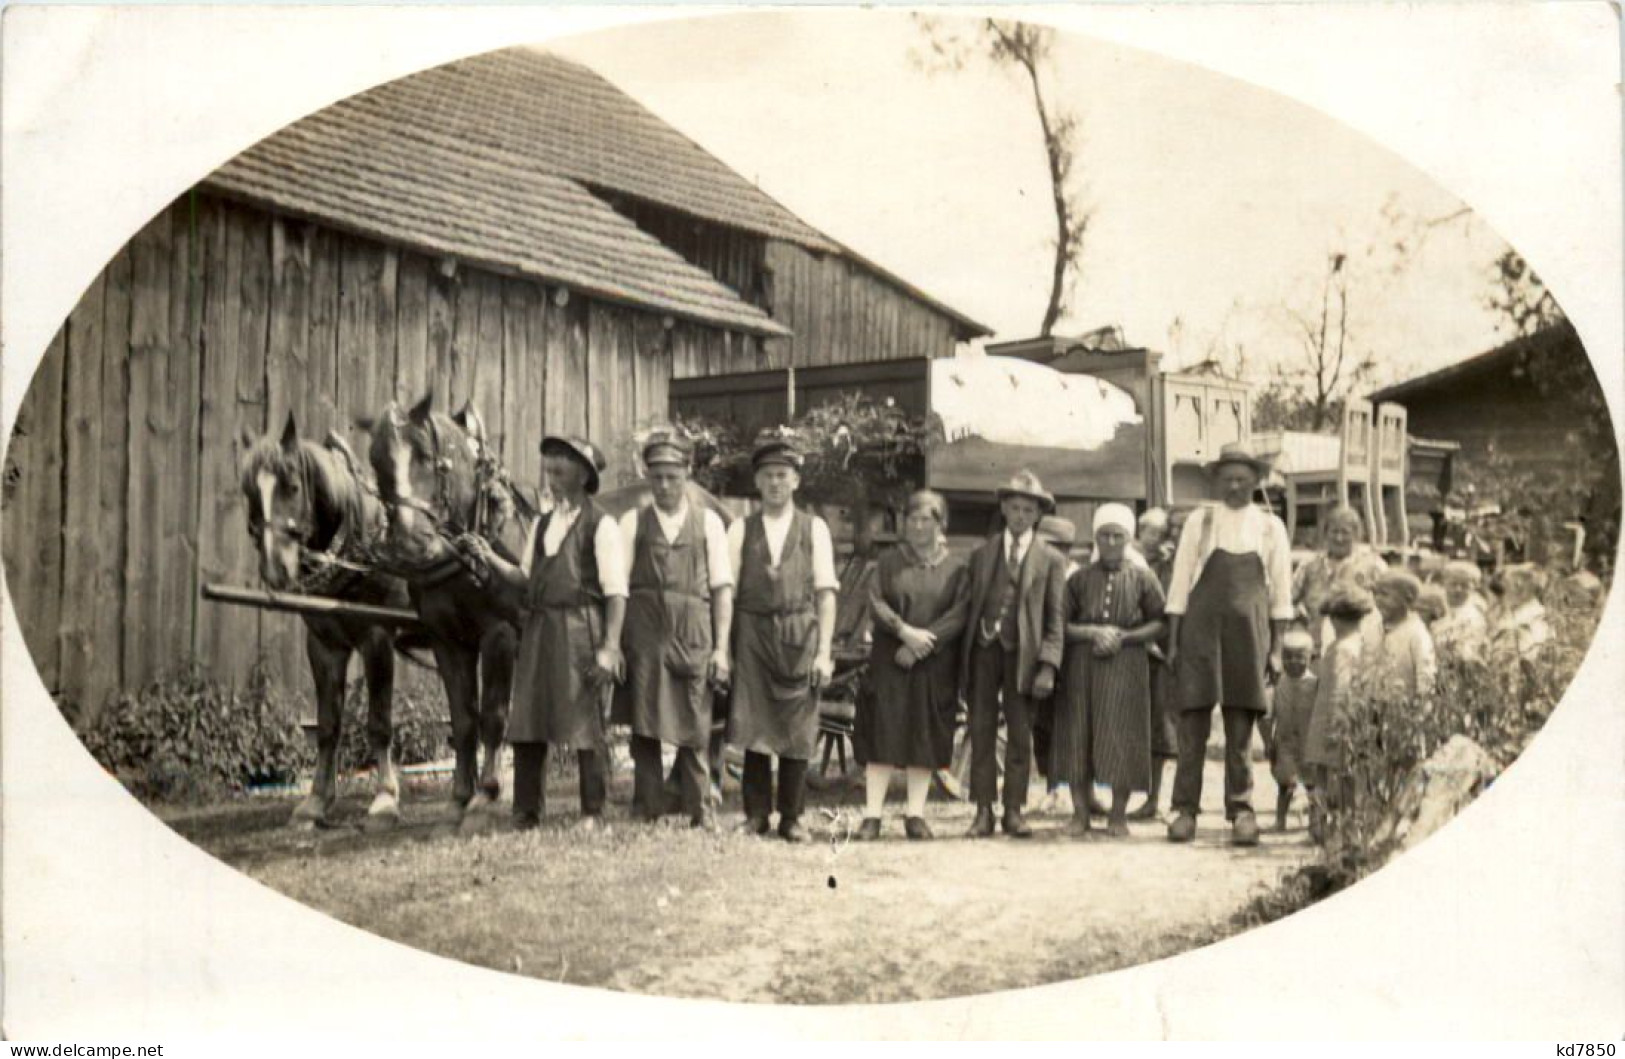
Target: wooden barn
1529,410
510,229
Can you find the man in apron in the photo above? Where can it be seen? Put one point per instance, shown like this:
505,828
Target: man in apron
1018,616
784,622
1229,601
679,616
574,578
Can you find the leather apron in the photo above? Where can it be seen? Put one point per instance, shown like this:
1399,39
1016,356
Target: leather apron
668,638
775,641
553,702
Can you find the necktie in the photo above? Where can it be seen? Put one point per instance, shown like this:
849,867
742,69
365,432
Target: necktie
1015,558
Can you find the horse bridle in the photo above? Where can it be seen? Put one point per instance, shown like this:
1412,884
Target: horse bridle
432,510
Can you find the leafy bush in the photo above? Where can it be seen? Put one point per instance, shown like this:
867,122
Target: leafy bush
1385,740
420,716
184,736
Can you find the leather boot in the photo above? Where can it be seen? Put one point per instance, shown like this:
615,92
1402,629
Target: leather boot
1015,826
982,826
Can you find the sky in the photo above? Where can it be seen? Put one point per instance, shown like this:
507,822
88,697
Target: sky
1215,203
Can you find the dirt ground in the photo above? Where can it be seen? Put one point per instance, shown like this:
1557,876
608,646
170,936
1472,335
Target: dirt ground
663,909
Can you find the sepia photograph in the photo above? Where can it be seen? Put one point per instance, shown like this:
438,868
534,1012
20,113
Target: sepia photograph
813,509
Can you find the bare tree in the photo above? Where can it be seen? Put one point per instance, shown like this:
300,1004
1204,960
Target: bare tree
1026,48
1329,367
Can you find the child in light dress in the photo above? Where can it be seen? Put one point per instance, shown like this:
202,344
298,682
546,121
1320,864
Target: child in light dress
1291,705
1340,662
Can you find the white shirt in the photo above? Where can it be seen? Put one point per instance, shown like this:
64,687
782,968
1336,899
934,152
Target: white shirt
1218,527
1022,544
717,559
606,546
777,530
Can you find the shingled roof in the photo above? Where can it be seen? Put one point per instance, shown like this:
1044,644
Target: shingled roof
364,165
495,159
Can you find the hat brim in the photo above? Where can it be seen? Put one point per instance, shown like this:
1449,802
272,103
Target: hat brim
1045,502
781,459
553,446
1259,467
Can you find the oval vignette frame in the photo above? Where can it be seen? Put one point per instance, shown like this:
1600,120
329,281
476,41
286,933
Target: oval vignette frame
1591,666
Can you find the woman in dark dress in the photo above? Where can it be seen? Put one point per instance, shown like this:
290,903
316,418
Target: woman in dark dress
919,598
1103,721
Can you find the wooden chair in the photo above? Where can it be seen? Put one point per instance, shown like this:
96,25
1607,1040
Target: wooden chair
1388,473
1354,468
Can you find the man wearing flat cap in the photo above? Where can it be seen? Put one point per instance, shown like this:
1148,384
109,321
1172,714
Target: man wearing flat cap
1017,614
1229,601
784,625
574,578
679,615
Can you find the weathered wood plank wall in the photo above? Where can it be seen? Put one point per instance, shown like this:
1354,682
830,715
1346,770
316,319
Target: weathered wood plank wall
121,491
841,313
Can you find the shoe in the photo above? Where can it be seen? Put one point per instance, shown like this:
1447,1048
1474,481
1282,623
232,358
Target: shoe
916,828
982,826
793,832
526,821
705,821
1117,828
1014,825
753,825
1244,830
1183,829
1145,813
869,829
1078,827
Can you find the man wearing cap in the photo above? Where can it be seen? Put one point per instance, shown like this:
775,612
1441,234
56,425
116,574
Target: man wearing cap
1229,601
784,624
1018,614
678,619
574,578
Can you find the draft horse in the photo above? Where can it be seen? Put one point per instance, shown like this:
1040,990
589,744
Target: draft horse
315,521
439,481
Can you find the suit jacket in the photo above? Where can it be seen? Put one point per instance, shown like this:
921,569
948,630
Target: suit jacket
1040,608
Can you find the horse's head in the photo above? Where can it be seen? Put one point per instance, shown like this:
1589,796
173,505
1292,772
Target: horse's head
425,464
281,508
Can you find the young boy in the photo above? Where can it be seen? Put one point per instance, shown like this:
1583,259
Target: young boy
1340,661
1404,665
1291,704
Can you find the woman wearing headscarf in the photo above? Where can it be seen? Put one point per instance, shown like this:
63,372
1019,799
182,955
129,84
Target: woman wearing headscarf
1114,609
919,599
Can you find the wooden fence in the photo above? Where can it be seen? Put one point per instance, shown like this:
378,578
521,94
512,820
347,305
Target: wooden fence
121,492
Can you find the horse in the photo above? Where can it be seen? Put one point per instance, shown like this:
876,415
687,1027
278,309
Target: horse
314,519
439,481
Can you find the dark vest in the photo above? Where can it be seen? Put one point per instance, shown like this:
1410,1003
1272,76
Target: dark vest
569,578
998,617
675,568
783,589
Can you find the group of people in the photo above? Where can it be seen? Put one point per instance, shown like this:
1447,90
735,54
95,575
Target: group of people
1117,662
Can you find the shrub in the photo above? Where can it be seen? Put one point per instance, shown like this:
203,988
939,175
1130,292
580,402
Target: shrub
184,736
420,716
1385,740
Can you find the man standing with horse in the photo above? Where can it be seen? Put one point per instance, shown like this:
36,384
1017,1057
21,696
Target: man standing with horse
679,616
784,565
573,573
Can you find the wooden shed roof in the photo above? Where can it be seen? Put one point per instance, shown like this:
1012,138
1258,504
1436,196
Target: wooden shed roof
409,163
541,124
1503,357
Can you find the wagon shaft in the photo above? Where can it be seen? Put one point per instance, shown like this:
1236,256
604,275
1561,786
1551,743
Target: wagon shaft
297,604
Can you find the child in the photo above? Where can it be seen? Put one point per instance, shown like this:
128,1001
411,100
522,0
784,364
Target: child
1404,665
1292,703
1347,607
